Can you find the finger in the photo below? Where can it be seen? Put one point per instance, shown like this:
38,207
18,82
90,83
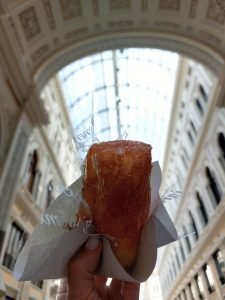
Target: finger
130,290
81,270
115,287
100,284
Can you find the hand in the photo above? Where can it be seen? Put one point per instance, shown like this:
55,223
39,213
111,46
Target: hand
83,284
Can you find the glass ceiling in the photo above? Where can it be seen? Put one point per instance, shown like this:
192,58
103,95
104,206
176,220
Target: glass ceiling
127,91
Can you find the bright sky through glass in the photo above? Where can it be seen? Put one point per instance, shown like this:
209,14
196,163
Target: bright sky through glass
132,91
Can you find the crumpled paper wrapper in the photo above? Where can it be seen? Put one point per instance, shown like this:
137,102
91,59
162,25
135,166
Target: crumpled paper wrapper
49,249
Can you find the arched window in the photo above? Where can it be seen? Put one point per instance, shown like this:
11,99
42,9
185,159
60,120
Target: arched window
203,93
193,225
213,187
190,136
33,175
221,142
193,127
202,211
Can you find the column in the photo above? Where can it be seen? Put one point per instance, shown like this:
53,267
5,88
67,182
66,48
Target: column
216,279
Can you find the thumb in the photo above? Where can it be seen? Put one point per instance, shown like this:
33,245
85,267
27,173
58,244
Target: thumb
81,270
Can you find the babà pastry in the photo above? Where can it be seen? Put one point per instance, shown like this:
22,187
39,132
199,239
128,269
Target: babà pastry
117,191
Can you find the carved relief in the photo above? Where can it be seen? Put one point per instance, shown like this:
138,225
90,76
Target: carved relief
169,4
16,35
120,24
95,7
29,21
144,5
40,52
76,33
119,4
49,14
70,9
56,41
215,13
193,8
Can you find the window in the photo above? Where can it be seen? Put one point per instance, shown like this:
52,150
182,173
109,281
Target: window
177,259
33,175
181,251
186,238
15,243
38,283
203,93
221,142
209,278
199,285
193,127
193,225
184,161
190,136
202,211
213,188
220,265
199,107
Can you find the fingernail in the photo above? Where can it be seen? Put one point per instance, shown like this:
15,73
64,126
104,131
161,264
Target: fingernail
92,243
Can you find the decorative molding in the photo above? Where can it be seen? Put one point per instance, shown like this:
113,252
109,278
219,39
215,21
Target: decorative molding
37,55
167,25
215,13
76,33
119,4
169,4
120,24
71,9
16,35
49,14
193,9
95,7
29,22
144,5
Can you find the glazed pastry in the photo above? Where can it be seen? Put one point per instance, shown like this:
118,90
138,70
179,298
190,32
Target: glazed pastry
117,191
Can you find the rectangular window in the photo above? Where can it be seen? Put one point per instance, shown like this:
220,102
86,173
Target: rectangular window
209,278
220,265
16,241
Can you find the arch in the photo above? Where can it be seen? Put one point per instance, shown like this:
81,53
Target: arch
202,210
166,41
213,187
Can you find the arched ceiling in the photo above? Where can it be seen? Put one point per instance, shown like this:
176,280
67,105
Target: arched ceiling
47,34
